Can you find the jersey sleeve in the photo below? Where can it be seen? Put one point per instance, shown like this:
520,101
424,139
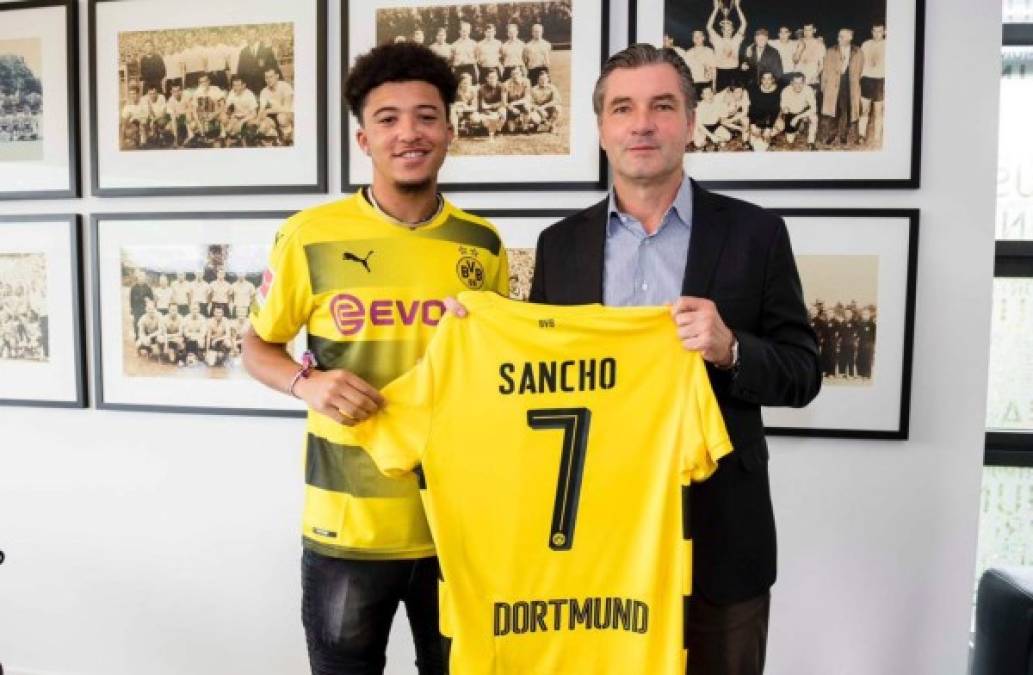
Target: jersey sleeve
396,437
706,438
285,297
502,274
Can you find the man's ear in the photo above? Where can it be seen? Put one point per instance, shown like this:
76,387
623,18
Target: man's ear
362,139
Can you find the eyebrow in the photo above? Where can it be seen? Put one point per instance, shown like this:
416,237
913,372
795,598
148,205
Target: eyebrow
654,99
394,108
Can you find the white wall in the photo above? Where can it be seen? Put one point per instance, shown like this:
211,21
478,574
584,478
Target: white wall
166,544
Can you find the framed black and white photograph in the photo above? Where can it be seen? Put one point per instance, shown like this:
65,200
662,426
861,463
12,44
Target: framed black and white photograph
525,70
519,229
797,93
172,297
212,98
39,107
858,271
42,354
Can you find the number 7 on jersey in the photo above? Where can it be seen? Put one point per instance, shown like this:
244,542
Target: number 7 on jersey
574,422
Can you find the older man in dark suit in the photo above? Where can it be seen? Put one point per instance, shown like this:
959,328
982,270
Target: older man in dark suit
762,57
727,268
255,59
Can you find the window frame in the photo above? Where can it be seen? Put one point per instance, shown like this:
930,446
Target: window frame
1012,260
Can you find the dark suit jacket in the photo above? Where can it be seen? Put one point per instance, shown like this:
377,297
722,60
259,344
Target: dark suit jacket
251,67
740,257
770,61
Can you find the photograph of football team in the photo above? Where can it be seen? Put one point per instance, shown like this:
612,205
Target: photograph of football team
793,75
521,269
513,63
841,296
207,87
185,308
21,100
23,307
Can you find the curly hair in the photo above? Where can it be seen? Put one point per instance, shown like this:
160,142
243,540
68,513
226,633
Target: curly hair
399,62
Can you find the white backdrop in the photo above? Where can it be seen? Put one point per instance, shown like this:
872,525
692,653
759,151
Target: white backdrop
160,545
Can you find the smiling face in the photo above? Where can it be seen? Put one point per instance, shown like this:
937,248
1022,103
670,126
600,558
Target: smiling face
645,123
405,132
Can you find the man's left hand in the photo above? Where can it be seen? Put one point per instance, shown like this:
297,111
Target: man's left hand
701,329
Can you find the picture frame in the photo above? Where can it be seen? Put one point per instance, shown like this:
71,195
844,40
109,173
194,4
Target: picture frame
145,267
558,155
850,148
861,266
39,117
42,351
226,141
519,229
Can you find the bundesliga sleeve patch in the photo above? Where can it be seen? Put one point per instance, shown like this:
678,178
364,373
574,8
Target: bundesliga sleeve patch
267,284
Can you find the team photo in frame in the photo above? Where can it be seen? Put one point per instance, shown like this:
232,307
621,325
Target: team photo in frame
858,269
229,101
797,94
172,297
525,72
39,106
42,352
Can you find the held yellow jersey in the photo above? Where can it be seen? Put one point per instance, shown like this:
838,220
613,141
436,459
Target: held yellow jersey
554,444
369,292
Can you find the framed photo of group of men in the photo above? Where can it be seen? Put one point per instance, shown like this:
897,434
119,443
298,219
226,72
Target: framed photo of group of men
525,70
212,98
797,93
172,298
858,268
42,358
39,90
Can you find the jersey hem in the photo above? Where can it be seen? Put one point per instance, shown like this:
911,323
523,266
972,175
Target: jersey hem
367,553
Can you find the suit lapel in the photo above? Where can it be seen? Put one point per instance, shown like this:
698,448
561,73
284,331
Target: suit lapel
709,231
589,243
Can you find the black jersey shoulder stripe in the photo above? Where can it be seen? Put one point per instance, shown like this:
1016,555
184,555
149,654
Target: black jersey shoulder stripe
468,232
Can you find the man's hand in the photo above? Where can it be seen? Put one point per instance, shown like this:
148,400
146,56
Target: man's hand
341,395
454,307
701,329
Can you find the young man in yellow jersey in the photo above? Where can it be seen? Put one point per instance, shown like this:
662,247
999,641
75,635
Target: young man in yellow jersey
366,277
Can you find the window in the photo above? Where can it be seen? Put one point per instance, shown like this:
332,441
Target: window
1006,506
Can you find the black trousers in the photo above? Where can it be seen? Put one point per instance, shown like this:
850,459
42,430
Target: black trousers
347,607
727,639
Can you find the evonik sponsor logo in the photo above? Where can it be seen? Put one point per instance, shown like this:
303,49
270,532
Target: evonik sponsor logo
351,314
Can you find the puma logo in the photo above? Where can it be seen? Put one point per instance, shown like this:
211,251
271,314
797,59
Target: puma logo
351,257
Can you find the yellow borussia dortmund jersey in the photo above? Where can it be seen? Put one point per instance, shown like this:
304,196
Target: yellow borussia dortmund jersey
369,292
555,443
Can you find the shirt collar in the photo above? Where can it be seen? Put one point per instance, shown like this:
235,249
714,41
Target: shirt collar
682,208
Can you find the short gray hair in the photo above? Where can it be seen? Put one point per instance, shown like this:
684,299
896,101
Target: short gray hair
644,54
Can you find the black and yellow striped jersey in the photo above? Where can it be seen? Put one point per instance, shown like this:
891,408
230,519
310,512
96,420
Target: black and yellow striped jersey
369,292
556,445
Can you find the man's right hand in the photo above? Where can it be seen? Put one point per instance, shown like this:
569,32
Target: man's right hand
341,395
454,307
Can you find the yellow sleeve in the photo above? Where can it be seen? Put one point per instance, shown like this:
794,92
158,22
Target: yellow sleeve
502,274
396,437
706,439
284,301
